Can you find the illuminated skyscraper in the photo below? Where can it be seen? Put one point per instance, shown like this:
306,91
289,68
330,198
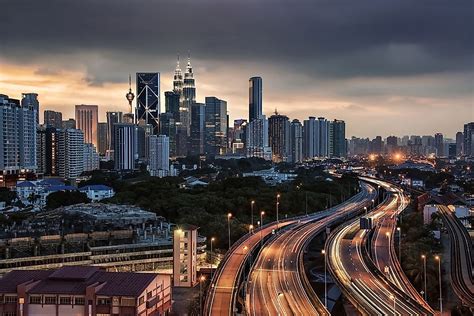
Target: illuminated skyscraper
216,126
296,141
337,139
148,99
198,127
255,98
188,96
279,136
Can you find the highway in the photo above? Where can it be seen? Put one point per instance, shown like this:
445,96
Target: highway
361,278
461,257
278,284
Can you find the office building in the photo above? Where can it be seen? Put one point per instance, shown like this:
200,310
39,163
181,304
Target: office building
102,138
188,96
216,126
257,139
124,146
53,119
17,135
84,290
87,120
315,138
469,139
47,154
112,118
70,153
143,132
30,100
439,144
69,123
159,153
296,142
148,99
459,143
337,139
172,101
168,128
255,98
279,137
197,129
184,256
178,80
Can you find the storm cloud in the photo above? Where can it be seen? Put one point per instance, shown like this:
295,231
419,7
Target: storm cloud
316,49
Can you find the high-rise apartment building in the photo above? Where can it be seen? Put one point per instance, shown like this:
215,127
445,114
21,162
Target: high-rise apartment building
91,158
296,142
87,120
47,155
70,153
439,144
168,128
148,99
337,139
30,100
315,138
279,137
459,143
69,123
216,126
159,153
198,129
255,98
53,119
17,135
469,139
124,146
257,139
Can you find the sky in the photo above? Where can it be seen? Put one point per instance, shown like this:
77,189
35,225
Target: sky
385,67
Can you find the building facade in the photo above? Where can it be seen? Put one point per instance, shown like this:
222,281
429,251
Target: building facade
125,143
148,99
197,129
337,139
216,126
53,119
296,142
279,137
159,153
70,153
255,98
469,139
87,120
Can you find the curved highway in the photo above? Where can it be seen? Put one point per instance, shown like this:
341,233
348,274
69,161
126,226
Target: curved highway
278,283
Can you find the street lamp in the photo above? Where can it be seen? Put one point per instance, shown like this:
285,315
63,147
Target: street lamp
424,275
373,203
440,292
399,229
201,279
212,241
261,226
392,297
229,216
251,211
323,252
250,228
365,208
277,207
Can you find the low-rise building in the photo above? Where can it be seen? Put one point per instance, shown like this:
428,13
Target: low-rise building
97,192
84,290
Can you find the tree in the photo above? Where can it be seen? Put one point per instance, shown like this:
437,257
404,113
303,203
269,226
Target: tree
65,198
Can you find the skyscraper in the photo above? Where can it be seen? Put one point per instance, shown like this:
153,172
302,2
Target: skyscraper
87,119
469,139
439,144
47,155
279,136
168,128
188,95
257,139
315,138
53,119
159,153
70,153
30,100
337,139
172,101
459,144
255,98
91,158
112,118
148,99
102,136
296,141
178,80
216,126
17,135
69,123
198,128
124,146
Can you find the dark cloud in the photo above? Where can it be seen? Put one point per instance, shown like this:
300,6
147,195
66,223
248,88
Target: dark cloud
339,39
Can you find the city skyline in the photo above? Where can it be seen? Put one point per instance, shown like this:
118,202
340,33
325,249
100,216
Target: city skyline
379,84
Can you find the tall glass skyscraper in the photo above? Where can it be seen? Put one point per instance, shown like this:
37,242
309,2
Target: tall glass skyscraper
198,127
216,126
279,136
148,98
188,96
255,98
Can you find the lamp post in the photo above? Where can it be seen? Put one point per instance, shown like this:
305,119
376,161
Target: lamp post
365,208
399,229
440,291
392,297
373,205
251,212
277,207
201,279
250,228
424,276
229,216
212,241
323,252
261,227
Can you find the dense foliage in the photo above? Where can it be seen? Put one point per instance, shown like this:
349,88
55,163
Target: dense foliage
65,198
